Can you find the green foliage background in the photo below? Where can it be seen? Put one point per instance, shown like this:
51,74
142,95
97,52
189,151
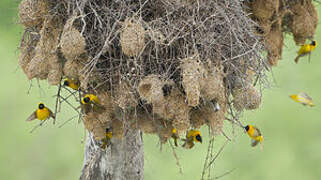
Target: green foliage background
292,132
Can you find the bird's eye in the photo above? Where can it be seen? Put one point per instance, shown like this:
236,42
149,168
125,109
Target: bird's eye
86,99
41,106
198,138
247,127
66,83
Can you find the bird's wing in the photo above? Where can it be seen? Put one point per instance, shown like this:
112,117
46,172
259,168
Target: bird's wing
51,114
33,116
305,95
257,132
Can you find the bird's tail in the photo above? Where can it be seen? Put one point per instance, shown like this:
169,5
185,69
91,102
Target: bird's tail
296,60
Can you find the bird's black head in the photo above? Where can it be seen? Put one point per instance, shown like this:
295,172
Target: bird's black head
247,127
66,83
41,106
313,43
108,130
199,138
86,100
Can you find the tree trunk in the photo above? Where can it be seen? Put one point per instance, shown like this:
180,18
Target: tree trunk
122,160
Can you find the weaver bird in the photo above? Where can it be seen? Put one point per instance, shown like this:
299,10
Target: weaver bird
72,83
90,99
305,49
255,134
191,137
175,136
107,140
42,113
302,98
91,102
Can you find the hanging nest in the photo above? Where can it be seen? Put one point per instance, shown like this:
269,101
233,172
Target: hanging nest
72,43
97,119
212,85
264,9
303,22
192,72
248,98
132,37
32,12
72,69
274,43
150,89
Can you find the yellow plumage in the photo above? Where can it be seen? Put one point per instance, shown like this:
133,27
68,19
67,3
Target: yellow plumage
42,113
73,84
191,137
91,102
90,98
255,134
305,49
302,98
175,136
107,140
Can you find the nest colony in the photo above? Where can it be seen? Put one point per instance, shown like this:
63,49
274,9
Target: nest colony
275,17
161,64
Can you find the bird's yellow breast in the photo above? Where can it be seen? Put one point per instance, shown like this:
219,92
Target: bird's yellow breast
307,48
73,86
43,114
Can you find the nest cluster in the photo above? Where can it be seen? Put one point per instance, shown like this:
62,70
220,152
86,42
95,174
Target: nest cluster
157,65
275,17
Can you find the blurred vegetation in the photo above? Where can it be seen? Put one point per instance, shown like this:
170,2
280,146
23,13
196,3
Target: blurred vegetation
291,131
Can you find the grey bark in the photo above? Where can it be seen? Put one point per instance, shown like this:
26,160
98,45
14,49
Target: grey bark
122,160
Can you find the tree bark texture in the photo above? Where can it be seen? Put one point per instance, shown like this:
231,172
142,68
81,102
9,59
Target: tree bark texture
122,160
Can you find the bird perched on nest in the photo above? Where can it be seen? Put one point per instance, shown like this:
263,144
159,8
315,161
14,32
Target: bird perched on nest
305,50
42,113
91,102
175,136
255,134
107,140
90,99
72,83
303,98
191,137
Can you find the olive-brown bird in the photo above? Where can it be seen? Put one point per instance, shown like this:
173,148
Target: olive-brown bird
42,113
305,50
191,137
255,134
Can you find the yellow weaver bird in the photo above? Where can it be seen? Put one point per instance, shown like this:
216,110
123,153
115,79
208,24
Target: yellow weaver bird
90,99
191,137
302,98
305,49
107,140
42,113
91,102
73,84
255,134
175,136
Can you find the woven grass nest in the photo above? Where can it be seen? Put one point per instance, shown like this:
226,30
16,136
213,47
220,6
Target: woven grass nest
157,65
275,17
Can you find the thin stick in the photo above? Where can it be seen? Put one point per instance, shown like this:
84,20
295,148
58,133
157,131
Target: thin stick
217,154
57,101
